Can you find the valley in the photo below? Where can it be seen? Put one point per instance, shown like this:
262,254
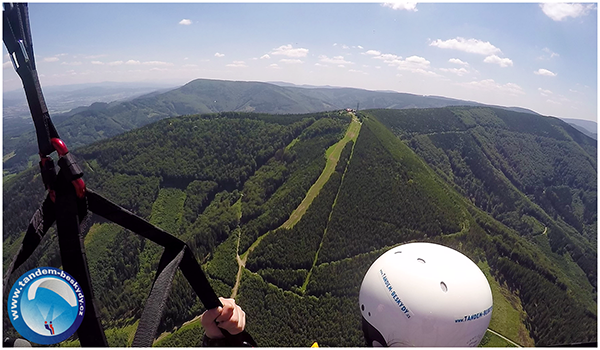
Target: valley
286,213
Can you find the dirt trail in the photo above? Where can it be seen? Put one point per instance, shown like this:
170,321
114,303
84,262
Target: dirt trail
332,159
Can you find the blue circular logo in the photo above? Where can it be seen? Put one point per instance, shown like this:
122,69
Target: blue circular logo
46,305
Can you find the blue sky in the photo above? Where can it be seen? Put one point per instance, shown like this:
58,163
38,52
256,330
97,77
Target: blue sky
542,57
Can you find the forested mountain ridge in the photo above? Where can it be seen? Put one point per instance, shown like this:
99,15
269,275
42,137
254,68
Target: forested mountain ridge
82,126
221,181
535,174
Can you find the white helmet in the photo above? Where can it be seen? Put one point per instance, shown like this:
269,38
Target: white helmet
424,294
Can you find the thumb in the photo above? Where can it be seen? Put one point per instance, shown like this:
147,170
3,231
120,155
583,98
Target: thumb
208,320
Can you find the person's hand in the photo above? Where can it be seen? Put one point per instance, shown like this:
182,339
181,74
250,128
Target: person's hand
230,317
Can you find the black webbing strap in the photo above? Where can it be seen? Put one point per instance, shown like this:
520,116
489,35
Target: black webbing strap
17,39
144,336
69,209
177,254
189,266
39,224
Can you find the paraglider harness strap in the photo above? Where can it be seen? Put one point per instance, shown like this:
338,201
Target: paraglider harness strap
68,202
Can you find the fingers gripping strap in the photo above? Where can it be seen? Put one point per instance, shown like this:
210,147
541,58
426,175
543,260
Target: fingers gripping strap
156,301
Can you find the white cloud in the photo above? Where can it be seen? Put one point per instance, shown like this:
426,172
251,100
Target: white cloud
237,64
356,71
503,62
360,47
185,22
219,54
334,60
560,11
115,63
265,56
544,93
97,63
408,6
467,45
157,63
51,59
91,57
341,66
190,65
289,51
321,65
417,60
372,52
564,99
291,61
544,72
491,85
345,47
387,57
458,61
76,63
274,66
413,64
550,52
133,62
427,73
6,64
553,102
458,71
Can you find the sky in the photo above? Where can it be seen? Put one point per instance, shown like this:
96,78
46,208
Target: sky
537,56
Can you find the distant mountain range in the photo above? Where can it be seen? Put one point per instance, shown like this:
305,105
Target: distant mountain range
61,99
83,125
587,127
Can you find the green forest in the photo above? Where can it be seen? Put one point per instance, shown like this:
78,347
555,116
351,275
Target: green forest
515,192
85,125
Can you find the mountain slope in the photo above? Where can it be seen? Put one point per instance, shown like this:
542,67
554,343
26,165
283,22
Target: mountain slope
386,193
527,171
83,126
587,127
221,182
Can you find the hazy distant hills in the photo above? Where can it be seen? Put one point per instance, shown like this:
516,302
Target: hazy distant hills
587,127
515,192
60,99
84,125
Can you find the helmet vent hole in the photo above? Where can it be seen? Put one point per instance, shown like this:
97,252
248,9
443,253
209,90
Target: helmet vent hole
362,307
398,252
421,261
369,314
444,286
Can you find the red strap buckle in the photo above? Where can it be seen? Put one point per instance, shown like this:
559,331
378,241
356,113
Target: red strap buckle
62,150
